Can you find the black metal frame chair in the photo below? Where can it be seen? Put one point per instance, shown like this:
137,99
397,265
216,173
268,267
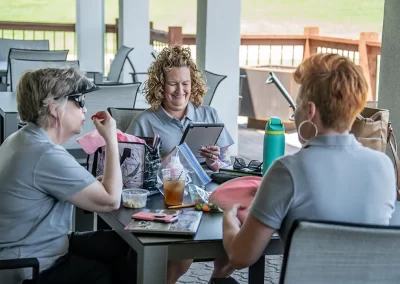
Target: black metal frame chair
23,263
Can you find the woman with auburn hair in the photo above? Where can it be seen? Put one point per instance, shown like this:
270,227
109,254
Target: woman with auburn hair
328,178
175,90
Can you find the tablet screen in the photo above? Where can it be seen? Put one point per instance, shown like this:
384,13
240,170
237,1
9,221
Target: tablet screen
198,135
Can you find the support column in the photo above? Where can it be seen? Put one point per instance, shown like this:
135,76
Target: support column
90,29
134,31
389,83
217,50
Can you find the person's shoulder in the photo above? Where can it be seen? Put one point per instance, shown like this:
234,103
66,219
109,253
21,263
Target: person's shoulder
207,110
144,115
374,156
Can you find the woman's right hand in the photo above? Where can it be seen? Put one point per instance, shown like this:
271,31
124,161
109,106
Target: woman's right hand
105,125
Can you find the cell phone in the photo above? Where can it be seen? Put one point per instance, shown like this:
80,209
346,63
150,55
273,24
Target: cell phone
165,216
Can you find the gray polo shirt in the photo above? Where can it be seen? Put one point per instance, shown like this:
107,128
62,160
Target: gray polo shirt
334,178
171,129
36,178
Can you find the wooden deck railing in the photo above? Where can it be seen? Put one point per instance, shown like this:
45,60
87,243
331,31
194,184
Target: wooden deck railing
284,50
364,51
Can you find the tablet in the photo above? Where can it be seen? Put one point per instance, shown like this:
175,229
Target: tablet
198,135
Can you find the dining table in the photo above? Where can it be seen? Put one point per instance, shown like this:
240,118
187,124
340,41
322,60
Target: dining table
154,250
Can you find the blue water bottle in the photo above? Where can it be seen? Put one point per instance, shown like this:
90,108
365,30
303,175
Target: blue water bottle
274,141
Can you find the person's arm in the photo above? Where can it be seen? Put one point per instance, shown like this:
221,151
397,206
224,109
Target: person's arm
244,245
104,195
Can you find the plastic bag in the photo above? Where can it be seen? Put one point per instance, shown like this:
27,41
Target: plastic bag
195,173
200,197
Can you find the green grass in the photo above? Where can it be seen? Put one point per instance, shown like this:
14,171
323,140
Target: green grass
166,13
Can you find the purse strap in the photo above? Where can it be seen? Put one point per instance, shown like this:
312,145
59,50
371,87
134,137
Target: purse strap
393,147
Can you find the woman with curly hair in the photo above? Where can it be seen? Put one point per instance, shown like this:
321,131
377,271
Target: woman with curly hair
175,90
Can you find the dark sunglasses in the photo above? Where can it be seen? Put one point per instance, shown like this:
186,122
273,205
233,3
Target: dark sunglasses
79,99
253,165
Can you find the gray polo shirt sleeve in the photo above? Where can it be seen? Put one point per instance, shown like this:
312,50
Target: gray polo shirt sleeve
135,129
58,174
274,196
225,138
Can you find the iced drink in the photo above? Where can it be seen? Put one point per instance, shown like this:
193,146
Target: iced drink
174,186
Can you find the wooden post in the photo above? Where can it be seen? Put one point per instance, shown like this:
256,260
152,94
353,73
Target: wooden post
368,62
117,31
308,48
151,32
175,35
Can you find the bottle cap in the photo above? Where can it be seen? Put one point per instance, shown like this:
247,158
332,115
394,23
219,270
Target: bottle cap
274,126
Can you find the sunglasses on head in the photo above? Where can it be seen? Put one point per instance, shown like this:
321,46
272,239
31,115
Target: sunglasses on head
79,97
253,165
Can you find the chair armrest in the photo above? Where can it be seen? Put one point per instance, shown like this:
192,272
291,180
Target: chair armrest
21,263
96,76
109,83
137,73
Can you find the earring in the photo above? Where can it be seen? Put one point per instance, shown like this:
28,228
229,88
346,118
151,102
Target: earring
299,130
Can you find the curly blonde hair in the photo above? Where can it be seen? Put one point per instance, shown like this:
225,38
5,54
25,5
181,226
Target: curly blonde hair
169,57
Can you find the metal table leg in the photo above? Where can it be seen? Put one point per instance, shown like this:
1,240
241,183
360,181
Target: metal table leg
152,265
257,271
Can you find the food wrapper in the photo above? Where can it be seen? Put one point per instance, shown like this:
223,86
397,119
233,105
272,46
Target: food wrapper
200,198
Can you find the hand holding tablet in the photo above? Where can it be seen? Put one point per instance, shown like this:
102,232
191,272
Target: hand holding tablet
199,136
210,152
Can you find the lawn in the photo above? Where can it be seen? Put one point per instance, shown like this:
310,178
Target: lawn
166,13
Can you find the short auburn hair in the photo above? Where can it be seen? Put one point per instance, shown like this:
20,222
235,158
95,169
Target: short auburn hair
336,85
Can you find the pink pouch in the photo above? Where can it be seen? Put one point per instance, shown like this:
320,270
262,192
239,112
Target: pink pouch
239,190
91,141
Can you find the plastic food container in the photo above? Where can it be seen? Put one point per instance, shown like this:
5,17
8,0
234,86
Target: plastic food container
134,198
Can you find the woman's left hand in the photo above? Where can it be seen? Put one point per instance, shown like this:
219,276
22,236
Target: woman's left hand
211,153
231,214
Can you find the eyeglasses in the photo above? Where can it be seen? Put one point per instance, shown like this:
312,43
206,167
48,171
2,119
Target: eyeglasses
253,165
79,99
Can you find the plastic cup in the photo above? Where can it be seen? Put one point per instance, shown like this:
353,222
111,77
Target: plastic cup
134,198
174,186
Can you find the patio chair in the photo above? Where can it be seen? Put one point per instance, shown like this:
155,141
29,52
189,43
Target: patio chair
332,252
123,116
115,95
141,61
32,54
22,263
17,67
7,44
212,81
116,67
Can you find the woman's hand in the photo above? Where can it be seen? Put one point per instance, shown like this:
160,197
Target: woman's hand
230,215
105,125
211,153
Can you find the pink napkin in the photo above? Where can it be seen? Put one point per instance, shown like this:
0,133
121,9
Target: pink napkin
93,140
239,190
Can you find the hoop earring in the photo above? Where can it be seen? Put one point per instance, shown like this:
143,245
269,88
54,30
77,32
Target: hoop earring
299,130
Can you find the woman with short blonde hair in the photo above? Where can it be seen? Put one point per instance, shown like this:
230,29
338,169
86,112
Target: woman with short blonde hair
41,182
